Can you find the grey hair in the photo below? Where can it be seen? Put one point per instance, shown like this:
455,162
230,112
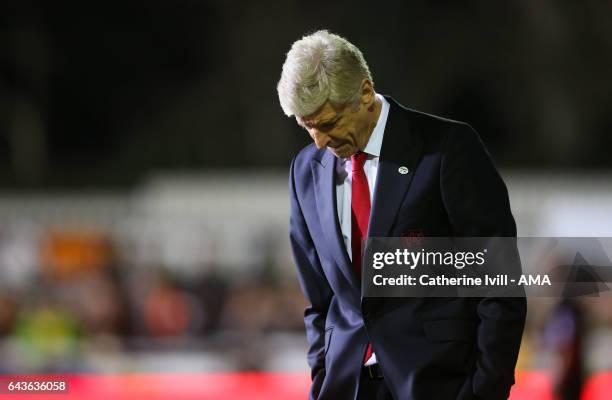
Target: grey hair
319,67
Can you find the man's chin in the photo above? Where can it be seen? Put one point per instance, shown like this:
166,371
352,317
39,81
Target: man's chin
342,151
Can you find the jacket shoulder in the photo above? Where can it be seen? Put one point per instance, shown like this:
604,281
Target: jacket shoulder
301,161
421,117
300,173
435,123
433,129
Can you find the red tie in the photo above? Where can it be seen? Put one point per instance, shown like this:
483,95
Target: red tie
360,213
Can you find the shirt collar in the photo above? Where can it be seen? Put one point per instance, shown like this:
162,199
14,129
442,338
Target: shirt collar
376,138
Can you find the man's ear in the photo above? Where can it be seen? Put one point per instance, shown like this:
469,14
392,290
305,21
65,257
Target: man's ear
368,96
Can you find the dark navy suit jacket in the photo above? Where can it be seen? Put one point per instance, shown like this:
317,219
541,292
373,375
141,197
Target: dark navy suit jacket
428,348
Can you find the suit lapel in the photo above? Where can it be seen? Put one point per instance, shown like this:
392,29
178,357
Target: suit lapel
401,149
323,172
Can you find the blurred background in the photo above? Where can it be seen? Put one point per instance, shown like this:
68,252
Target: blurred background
144,160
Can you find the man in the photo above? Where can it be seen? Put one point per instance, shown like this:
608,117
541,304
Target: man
381,170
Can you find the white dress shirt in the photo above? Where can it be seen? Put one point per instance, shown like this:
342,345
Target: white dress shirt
344,180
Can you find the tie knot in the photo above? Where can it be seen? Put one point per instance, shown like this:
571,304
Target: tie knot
358,160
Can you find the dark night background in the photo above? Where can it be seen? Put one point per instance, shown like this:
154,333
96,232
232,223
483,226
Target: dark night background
143,176
99,94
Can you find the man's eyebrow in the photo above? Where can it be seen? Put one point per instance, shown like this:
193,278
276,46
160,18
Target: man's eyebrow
316,122
324,121
329,120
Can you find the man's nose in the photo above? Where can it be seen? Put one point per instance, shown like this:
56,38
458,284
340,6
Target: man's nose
321,139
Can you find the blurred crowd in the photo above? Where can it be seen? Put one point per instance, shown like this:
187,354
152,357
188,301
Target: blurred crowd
67,291
177,277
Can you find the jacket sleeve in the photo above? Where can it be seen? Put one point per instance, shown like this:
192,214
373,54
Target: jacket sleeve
314,286
476,200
